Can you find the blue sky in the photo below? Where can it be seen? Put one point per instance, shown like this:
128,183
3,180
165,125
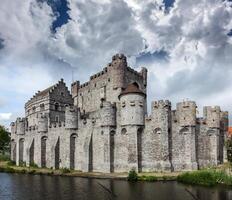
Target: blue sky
186,46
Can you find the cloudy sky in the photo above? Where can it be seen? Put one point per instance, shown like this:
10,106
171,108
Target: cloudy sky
186,46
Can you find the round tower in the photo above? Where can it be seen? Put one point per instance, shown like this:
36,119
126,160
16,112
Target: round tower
71,117
117,70
108,114
42,123
132,101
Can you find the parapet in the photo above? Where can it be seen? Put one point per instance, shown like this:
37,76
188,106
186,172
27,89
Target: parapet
212,116
186,113
161,104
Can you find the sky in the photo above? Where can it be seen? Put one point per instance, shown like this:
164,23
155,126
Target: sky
185,45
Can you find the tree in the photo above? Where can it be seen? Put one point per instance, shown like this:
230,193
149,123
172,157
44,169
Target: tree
4,140
229,149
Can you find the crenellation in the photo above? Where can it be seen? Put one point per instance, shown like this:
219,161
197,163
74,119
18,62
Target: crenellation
103,126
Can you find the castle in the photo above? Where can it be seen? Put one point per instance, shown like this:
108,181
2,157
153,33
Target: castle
103,126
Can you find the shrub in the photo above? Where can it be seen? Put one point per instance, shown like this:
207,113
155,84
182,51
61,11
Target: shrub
34,165
4,157
132,176
22,164
11,163
65,170
205,177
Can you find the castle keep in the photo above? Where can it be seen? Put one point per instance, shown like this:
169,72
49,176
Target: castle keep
103,126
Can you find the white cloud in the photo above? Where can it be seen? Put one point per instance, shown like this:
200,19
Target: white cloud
5,116
193,33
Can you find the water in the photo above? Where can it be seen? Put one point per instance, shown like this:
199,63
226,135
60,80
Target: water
36,187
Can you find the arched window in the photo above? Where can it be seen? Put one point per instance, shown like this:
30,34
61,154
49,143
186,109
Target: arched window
124,131
157,131
184,131
136,84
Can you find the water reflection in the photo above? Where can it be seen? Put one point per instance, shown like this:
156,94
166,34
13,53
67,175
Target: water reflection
35,187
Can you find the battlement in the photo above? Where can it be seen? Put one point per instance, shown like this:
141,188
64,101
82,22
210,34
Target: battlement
212,116
55,125
186,113
160,104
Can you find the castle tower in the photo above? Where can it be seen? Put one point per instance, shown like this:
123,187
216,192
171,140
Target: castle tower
20,126
132,101
117,70
184,137
71,117
212,118
74,91
160,134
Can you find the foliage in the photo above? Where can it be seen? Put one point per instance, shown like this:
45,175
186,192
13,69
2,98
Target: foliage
11,163
205,177
65,170
4,157
34,165
132,176
229,149
4,140
22,164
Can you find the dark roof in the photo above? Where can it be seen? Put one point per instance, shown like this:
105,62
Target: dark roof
132,89
44,92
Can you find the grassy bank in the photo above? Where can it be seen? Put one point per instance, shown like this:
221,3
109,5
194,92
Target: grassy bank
207,177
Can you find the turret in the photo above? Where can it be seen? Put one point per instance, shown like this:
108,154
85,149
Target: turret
13,128
20,126
132,101
186,113
108,114
143,72
212,116
71,117
42,123
117,70
74,90
161,111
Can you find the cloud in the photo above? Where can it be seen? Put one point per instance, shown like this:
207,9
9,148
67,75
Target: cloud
184,44
5,116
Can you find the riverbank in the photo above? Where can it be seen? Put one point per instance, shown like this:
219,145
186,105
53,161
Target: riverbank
205,177
9,168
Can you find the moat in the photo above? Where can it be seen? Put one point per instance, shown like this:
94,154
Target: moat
38,187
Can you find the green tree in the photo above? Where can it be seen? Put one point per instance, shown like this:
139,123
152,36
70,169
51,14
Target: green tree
4,140
229,149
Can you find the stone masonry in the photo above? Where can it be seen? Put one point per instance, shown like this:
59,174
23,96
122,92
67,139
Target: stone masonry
103,126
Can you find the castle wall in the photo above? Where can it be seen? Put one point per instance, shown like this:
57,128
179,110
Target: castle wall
108,130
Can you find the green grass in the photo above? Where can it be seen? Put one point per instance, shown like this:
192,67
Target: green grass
148,178
205,177
65,170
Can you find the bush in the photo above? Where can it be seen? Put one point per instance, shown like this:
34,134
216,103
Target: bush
4,157
11,163
34,165
22,164
132,176
65,170
229,149
205,177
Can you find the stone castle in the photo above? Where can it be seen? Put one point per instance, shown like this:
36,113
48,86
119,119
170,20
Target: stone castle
103,126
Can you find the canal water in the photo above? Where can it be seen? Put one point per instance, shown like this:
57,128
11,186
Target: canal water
40,187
